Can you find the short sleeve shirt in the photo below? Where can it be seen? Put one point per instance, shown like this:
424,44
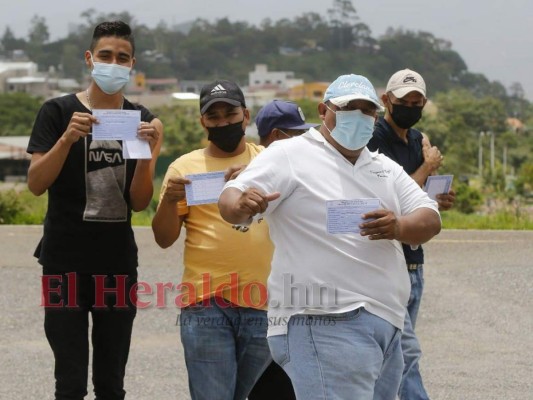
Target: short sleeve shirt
409,155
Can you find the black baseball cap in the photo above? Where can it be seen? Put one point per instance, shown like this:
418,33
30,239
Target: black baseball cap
221,90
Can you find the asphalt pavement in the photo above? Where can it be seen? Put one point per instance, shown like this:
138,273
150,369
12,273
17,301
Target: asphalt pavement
475,324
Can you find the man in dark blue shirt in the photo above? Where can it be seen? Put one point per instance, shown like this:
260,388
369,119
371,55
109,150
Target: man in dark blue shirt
404,99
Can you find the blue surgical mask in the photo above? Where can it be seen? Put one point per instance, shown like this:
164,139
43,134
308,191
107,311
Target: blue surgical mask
353,129
111,78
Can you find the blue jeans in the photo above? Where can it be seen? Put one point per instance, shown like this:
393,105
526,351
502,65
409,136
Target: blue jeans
225,349
411,387
354,355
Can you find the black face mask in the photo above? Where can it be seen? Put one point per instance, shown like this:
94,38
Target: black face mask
226,137
405,117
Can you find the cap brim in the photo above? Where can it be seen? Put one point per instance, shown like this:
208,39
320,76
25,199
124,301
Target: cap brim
206,106
341,101
403,91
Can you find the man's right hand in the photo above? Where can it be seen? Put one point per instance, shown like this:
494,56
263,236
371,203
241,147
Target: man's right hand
253,201
175,190
79,126
432,155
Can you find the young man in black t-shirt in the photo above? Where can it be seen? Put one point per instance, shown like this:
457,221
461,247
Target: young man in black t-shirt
88,250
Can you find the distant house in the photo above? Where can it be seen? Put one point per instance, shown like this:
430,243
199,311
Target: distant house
515,124
15,69
34,85
261,78
14,161
192,86
310,91
23,77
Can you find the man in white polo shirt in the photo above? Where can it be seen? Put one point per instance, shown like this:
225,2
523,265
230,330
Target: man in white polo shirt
338,214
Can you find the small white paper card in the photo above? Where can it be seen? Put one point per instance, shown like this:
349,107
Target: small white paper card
116,124
438,184
344,216
204,188
138,149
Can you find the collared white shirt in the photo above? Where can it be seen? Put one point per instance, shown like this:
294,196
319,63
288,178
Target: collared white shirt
316,272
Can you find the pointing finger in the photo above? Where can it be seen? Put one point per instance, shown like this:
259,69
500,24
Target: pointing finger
272,196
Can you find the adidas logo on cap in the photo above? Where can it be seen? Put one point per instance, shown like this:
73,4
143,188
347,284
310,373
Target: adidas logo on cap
218,89
221,91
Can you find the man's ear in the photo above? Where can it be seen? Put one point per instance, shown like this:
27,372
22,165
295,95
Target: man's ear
88,61
322,108
246,113
202,122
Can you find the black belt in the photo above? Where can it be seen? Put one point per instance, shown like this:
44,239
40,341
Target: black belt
412,267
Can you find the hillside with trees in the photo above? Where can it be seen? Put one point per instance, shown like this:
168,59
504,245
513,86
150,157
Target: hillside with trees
468,119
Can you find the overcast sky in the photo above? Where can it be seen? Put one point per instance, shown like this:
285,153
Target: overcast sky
494,37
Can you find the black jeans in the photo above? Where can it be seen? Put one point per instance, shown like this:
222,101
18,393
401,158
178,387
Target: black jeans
68,298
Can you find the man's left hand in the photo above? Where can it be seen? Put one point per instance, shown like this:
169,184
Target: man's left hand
384,225
148,132
446,200
233,172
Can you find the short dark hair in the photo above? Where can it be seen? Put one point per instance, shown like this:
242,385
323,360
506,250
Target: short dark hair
119,29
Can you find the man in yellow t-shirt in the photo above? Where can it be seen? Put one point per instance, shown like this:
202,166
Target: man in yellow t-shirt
223,296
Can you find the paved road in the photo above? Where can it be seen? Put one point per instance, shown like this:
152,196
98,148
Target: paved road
475,324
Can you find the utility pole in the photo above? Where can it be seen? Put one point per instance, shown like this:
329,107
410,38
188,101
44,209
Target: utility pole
491,152
480,154
505,160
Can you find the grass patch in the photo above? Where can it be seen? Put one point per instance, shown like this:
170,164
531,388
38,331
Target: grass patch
27,209
501,220
144,218
33,208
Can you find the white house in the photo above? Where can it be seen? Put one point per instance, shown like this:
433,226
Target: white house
262,78
15,69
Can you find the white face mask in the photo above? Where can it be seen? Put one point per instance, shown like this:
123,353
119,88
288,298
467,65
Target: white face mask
111,78
353,129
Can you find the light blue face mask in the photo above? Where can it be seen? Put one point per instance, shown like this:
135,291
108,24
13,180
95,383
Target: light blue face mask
111,78
353,129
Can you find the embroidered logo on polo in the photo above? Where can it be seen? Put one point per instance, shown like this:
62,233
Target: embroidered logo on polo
218,89
383,173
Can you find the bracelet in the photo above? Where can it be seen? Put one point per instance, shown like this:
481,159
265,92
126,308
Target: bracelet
183,209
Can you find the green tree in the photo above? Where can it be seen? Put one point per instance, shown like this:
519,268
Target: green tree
10,42
38,33
467,199
72,61
10,207
37,37
18,113
524,182
456,127
183,132
430,56
342,18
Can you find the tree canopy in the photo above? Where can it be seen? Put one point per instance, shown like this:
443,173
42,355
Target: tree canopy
316,48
